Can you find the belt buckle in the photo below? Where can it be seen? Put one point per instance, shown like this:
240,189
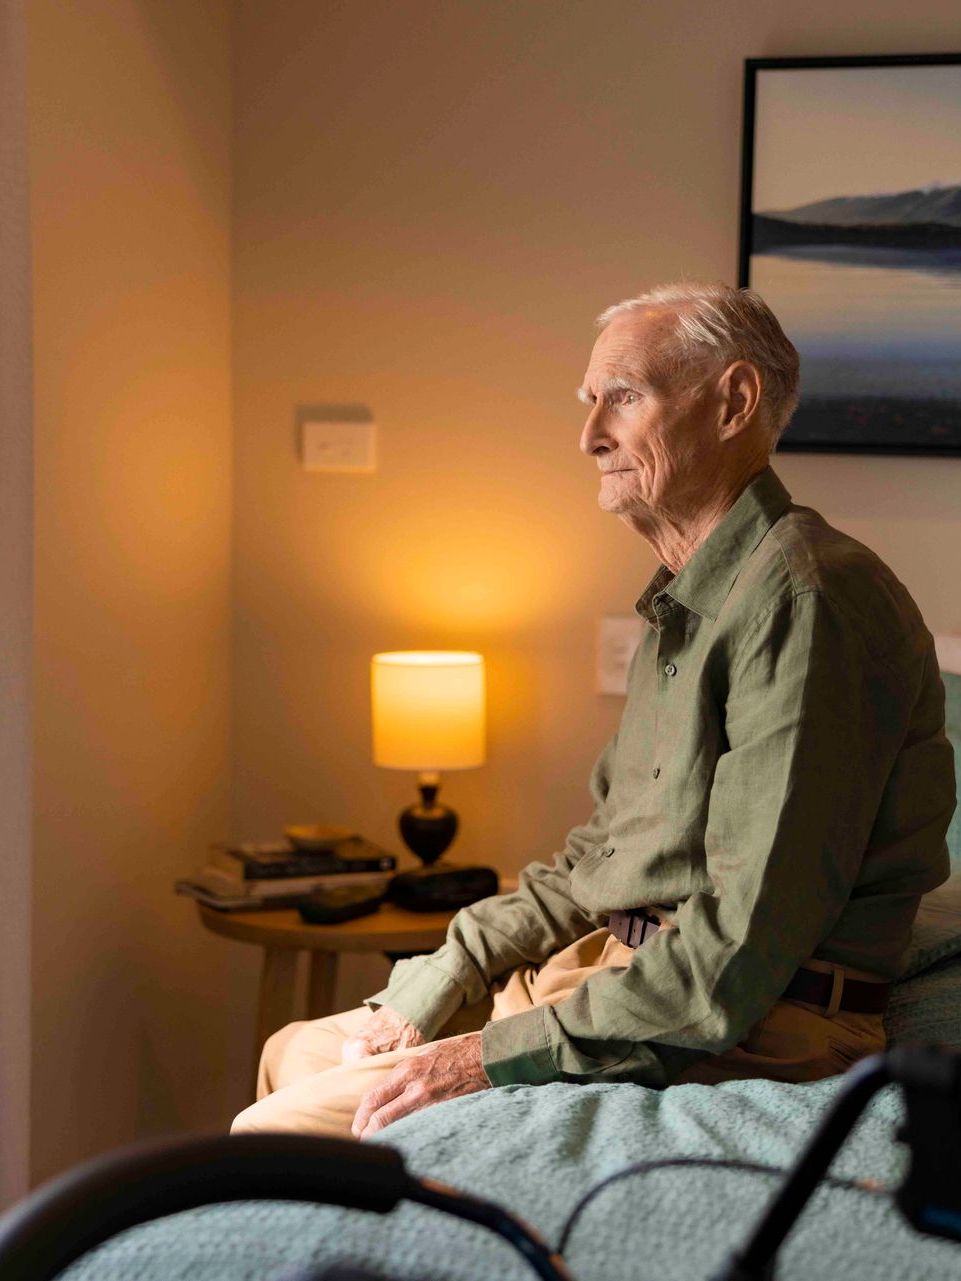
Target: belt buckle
633,926
640,927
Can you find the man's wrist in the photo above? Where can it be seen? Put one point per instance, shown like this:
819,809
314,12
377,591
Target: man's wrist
421,995
515,1050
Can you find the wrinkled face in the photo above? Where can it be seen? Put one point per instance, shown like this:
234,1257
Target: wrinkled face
653,442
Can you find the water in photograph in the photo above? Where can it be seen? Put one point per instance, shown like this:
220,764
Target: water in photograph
879,334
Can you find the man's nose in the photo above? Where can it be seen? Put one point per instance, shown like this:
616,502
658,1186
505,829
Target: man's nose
594,438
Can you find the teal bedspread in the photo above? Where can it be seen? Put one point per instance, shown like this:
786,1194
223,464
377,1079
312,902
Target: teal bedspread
538,1150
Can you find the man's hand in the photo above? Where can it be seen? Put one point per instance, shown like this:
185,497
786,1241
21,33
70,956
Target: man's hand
452,1068
385,1031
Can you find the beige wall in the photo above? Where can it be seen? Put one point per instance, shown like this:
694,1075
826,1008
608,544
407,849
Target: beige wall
432,202
130,136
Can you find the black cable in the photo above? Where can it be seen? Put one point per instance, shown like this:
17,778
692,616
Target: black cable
717,1163
546,1263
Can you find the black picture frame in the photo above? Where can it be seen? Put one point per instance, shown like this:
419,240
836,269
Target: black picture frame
838,414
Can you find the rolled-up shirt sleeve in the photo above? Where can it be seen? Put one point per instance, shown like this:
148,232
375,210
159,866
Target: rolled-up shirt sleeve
491,937
815,718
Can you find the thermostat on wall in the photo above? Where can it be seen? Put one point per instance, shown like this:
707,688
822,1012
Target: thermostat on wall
338,438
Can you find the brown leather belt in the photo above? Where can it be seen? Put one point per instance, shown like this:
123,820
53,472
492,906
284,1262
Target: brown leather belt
857,996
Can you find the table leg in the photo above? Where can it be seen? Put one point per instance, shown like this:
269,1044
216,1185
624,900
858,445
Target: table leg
275,1005
323,981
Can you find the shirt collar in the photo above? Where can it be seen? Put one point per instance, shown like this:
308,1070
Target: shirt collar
705,581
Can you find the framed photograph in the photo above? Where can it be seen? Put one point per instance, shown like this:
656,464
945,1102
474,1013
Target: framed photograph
851,231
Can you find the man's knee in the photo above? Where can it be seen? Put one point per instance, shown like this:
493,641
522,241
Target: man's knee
307,1047
272,1056
277,1042
245,1122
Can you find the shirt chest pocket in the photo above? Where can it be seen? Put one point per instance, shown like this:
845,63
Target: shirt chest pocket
614,877
588,872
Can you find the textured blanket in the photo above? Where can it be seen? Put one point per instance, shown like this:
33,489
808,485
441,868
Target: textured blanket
538,1150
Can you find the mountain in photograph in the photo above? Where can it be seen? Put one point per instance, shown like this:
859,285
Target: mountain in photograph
927,217
927,204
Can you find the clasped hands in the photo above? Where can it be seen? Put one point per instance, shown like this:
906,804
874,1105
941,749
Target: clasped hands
453,1067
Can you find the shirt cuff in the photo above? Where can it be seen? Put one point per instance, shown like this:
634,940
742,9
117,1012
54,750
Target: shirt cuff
515,1050
420,993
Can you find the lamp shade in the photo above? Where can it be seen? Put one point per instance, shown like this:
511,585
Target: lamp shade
428,709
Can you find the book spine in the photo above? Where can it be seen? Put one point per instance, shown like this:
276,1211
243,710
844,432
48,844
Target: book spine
304,884
216,881
314,865
249,867
245,903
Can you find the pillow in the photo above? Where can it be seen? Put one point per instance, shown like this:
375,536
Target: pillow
927,1007
937,928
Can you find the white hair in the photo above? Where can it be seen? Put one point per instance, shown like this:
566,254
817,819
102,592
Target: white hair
716,325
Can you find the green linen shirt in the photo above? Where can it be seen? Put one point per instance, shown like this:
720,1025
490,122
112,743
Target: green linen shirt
780,776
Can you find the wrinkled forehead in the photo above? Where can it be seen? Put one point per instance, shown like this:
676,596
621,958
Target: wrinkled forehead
632,347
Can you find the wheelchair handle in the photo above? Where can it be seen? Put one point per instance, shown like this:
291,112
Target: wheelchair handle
76,1211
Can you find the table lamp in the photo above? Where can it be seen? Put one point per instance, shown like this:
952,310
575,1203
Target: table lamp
428,715
428,712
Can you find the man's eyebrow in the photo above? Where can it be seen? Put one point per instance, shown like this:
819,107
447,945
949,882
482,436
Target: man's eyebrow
613,383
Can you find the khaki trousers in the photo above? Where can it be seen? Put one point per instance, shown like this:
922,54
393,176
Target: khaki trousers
303,1086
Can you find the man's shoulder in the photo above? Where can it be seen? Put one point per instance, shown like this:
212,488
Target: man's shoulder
802,554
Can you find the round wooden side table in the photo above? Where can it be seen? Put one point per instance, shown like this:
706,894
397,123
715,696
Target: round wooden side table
282,935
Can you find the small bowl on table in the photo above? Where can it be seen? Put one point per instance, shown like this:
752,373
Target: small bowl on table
317,836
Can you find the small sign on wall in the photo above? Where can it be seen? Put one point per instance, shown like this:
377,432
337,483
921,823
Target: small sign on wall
337,438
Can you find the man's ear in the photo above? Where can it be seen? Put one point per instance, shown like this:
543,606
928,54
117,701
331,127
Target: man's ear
740,392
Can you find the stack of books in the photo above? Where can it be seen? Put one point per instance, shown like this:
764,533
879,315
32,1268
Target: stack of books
278,874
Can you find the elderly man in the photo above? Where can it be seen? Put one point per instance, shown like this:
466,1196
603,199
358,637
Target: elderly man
766,819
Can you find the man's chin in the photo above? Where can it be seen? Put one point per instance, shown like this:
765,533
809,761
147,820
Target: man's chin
616,504
624,505
620,491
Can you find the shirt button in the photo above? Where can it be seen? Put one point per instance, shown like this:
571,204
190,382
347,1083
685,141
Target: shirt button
656,771
670,669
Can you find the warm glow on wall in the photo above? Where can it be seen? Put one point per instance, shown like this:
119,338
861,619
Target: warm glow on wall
494,572
428,709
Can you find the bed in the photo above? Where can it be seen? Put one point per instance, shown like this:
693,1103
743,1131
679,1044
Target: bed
538,1150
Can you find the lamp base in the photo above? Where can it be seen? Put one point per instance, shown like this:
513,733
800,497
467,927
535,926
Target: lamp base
438,886
428,828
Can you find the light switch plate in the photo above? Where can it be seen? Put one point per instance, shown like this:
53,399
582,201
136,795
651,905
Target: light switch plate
338,446
618,636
